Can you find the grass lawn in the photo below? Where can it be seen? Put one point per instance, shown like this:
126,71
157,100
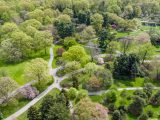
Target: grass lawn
54,92
15,71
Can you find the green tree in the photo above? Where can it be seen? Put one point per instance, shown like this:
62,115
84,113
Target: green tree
76,53
42,40
7,85
45,106
127,65
97,21
69,42
145,51
64,26
58,112
91,68
110,97
72,93
37,70
88,34
148,89
33,114
116,115
84,17
136,107
155,99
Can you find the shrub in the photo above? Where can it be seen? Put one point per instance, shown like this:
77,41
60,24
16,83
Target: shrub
29,92
60,51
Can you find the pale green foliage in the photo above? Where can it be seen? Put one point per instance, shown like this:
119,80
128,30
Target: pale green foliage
31,22
7,85
97,21
36,14
72,66
112,47
8,28
81,5
37,70
64,19
87,34
42,39
91,68
76,53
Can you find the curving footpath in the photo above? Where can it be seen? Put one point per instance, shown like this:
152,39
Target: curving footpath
44,93
56,84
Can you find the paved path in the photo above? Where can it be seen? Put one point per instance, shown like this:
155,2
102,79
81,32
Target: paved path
119,89
44,93
56,84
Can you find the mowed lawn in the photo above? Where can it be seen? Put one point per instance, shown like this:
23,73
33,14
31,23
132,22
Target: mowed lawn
16,72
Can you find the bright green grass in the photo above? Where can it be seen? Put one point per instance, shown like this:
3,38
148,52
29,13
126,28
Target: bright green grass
15,71
54,92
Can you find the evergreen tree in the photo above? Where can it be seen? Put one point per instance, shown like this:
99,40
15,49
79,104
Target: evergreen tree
33,114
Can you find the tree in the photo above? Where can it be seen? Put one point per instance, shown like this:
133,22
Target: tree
116,115
136,107
155,99
43,39
128,11
88,110
58,112
112,47
72,66
148,89
9,53
33,114
37,70
97,21
8,28
93,84
32,22
69,42
62,4
72,93
84,17
45,106
145,51
64,26
127,65
114,9
81,94
105,76
104,37
7,85
88,34
76,53
91,68
36,14
110,97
